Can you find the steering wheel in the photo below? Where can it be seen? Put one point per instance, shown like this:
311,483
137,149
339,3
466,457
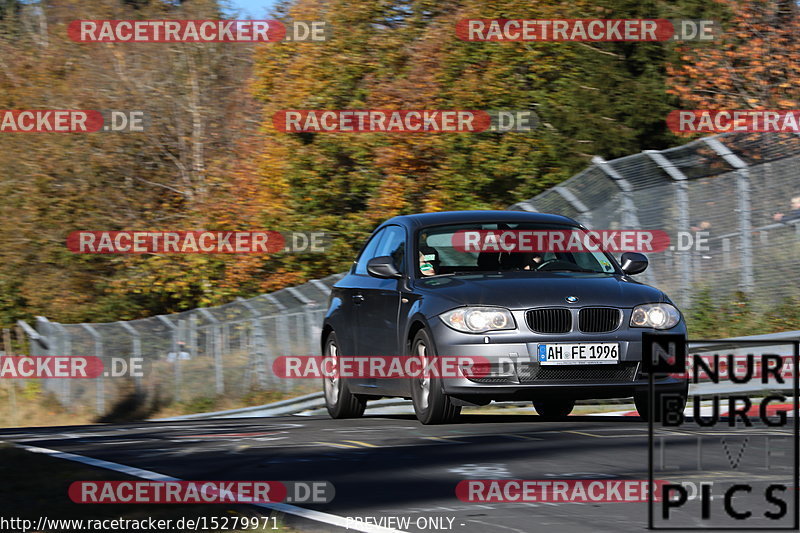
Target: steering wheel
546,264
541,265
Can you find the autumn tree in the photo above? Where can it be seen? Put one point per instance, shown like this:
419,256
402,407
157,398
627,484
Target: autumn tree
754,64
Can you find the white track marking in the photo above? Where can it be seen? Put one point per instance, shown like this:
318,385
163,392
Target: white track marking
317,516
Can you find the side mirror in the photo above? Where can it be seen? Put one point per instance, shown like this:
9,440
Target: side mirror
383,267
633,263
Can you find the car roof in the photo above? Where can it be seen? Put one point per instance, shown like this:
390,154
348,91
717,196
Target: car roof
422,220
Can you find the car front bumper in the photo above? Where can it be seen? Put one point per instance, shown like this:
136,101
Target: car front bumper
515,373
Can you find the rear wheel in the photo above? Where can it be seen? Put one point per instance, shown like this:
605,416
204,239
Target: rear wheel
431,404
339,401
554,409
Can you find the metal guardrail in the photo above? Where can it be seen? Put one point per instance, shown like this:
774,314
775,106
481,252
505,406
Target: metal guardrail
315,403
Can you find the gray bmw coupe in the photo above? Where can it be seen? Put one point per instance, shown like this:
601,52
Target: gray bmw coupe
555,327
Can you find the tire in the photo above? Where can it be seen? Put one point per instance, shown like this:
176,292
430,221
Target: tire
431,404
554,409
642,402
339,401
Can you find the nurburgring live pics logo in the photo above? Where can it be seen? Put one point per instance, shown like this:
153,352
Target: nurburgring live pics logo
745,490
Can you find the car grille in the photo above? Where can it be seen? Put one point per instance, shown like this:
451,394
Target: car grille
598,319
551,320
621,372
559,319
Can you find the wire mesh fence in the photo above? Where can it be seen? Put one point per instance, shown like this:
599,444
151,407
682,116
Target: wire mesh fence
201,353
739,192
736,187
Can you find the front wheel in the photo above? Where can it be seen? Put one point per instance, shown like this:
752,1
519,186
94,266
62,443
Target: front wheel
339,401
554,409
431,404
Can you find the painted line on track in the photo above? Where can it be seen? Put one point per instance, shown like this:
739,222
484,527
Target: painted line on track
309,514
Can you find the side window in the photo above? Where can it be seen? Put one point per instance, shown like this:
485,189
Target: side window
394,245
369,252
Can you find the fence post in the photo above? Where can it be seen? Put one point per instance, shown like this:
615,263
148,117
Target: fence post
194,349
311,329
12,387
258,357
98,352
746,280
630,215
219,375
585,213
136,350
43,324
684,224
526,205
281,332
177,363
326,291
36,341
20,333
65,347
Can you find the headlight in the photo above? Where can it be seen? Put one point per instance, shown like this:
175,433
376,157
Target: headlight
478,319
658,316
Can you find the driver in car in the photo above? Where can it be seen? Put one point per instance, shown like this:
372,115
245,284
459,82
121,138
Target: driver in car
531,261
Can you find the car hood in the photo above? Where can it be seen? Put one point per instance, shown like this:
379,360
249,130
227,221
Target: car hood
522,291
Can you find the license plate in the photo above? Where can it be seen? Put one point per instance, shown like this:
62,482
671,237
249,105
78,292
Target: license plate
578,354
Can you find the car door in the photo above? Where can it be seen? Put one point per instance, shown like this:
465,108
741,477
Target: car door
381,299
379,331
352,289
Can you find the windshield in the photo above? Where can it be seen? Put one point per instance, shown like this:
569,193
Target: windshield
498,247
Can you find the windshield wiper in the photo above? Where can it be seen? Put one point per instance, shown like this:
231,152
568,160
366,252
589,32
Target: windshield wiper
457,273
576,269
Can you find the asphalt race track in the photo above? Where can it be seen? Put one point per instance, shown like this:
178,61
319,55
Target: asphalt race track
392,466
